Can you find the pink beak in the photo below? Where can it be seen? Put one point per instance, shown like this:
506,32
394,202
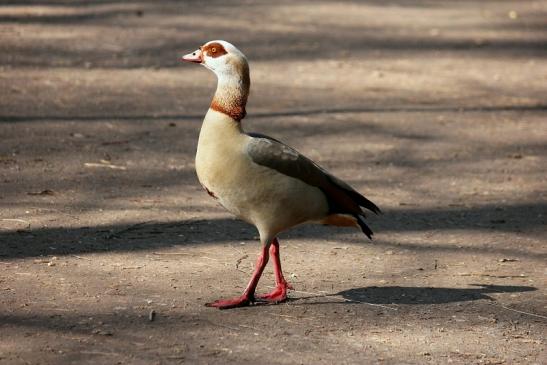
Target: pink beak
194,57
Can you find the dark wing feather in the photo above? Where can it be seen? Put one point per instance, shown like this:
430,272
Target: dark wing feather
342,198
269,152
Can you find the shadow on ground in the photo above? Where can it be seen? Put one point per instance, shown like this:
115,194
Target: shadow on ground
156,235
426,295
365,295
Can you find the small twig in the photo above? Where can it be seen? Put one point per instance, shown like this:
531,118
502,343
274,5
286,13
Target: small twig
238,262
253,328
318,294
43,192
187,262
223,325
333,296
375,305
110,166
99,353
286,315
522,312
183,254
17,220
125,230
81,258
494,276
172,253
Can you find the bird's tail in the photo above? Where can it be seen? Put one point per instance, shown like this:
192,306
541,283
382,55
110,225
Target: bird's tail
366,229
364,202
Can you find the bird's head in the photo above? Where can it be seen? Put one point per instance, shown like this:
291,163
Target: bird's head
221,57
232,70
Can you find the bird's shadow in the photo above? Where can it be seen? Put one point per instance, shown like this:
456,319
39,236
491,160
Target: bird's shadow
415,295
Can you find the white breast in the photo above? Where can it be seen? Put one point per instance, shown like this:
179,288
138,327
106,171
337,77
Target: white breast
257,194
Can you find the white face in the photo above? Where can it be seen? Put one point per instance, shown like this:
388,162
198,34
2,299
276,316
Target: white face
219,56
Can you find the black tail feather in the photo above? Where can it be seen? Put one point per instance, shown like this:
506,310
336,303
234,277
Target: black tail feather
364,202
354,195
366,230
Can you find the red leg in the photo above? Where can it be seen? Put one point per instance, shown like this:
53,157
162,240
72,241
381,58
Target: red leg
279,294
248,295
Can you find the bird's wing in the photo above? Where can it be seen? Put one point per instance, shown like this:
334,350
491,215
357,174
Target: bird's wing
271,153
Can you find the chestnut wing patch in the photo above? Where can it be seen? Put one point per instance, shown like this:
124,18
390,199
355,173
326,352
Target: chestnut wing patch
211,194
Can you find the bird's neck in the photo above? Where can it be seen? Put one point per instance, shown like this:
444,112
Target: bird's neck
231,94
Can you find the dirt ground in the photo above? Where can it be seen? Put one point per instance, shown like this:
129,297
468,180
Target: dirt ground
435,110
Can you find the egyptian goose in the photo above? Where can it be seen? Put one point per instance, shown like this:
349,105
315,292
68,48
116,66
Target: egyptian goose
259,179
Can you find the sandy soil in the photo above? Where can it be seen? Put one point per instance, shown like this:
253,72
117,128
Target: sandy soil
436,110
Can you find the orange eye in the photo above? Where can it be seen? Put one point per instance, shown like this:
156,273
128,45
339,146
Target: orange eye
213,50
